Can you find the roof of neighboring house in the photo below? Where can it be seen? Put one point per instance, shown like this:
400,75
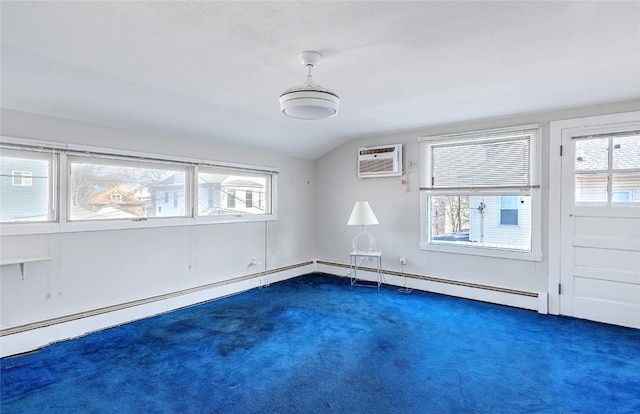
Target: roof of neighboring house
105,197
240,182
593,154
175,178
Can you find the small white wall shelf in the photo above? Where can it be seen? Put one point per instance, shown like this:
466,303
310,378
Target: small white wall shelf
5,261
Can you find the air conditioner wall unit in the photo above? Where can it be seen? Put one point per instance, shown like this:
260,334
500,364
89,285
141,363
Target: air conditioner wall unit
381,161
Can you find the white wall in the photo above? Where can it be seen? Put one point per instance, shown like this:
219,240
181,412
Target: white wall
398,234
96,269
91,270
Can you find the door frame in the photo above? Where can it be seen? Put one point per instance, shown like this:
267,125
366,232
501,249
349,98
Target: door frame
558,130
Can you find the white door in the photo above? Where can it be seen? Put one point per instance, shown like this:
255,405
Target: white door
600,225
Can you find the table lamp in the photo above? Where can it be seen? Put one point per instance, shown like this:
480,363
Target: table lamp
362,215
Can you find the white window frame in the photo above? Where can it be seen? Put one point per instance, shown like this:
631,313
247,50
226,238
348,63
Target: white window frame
533,190
120,161
38,153
60,202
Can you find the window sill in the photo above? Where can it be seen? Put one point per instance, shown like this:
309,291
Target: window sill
483,251
16,229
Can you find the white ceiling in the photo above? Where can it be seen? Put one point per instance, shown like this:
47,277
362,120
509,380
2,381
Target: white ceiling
213,71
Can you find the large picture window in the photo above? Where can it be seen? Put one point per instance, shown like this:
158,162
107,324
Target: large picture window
116,188
480,192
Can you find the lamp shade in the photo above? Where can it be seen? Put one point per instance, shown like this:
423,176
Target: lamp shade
362,215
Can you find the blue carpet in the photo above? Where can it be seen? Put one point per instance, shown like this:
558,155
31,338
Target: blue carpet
312,345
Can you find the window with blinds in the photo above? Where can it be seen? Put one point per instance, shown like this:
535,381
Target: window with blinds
480,192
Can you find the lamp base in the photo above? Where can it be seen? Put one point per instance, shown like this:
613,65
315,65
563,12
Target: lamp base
363,234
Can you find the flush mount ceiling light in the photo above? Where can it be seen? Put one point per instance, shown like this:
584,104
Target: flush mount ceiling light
309,101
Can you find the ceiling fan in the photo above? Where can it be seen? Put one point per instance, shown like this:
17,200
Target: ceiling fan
309,101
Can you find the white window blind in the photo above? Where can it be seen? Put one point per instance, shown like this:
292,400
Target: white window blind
482,164
481,160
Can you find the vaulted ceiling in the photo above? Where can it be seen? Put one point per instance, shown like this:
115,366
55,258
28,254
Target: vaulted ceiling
213,71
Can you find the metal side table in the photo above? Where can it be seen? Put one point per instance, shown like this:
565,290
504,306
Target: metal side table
364,256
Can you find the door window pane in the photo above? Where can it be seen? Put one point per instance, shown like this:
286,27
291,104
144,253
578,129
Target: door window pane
626,152
626,188
592,154
591,188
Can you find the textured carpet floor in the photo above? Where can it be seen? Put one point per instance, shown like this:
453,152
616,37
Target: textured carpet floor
312,345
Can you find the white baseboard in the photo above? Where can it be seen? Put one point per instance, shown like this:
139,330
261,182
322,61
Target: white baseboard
31,337
27,338
509,297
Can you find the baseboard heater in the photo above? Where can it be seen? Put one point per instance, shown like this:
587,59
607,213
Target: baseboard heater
121,306
528,296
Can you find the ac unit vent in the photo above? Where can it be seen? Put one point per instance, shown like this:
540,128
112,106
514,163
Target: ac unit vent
382,161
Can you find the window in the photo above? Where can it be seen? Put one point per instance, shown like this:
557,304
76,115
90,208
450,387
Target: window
22,178
480,193
621,196
123,189
96,183
231,199
607,164
219,189
509,210
26,186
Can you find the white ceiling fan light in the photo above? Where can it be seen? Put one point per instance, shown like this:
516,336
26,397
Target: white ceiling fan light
309,101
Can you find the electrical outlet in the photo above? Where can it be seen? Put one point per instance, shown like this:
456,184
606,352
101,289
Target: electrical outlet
403,260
